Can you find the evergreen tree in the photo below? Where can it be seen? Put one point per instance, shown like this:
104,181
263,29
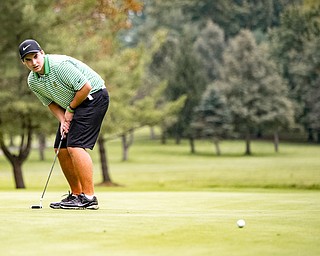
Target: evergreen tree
185,79
60,27
21,115
256,93
299,30
312,60
212,117
209,45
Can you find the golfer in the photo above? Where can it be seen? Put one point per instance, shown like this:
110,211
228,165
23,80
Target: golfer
76,95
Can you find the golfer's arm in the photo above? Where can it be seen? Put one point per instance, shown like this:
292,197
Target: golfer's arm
81,95
57,111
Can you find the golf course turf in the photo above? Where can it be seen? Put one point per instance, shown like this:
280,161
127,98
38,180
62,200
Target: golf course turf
165,223
171,202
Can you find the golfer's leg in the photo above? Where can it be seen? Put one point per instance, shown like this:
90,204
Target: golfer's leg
69,172
82,164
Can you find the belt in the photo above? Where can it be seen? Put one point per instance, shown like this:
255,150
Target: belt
91,96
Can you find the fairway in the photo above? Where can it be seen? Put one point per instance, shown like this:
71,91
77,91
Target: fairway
278,222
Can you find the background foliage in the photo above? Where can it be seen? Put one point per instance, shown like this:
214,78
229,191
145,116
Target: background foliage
160,58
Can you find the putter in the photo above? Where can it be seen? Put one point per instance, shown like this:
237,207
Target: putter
45,187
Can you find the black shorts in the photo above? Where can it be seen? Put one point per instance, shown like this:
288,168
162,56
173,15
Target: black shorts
86,123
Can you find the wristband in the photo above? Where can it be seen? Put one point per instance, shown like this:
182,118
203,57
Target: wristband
70,110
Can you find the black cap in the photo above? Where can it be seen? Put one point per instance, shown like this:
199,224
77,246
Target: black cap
28,46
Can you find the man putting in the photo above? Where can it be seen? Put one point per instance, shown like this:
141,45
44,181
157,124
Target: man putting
76,95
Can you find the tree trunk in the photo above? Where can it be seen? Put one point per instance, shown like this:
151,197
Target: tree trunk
103,160
192,145
152,133
126,143
17,160
248,149
11,141
276,141
17,172
310,135
124,147
178,139
106,178
163,137
217,146
42,146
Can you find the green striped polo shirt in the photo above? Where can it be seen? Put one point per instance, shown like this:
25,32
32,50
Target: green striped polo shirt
63,77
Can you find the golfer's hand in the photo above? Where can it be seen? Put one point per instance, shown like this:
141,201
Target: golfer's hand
64,129
67,121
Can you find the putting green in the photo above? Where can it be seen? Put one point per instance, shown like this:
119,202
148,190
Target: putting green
278,222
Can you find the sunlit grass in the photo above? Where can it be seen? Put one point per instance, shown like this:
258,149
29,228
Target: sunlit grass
172,202
282,223
155,167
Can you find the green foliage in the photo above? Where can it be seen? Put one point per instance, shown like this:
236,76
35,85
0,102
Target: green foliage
215,20
311,4
230,15
137,99
210,44
82,29
162,62
154,110
312,60
256,93
185,79
22,19
212,118
292,44
124,78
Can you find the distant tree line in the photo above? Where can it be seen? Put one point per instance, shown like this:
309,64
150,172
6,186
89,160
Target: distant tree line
246,67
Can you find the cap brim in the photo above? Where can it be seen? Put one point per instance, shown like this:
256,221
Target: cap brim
32,51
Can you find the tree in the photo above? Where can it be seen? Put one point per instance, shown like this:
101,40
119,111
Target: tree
137,100
311,4
212,117
187,79
230,15
20,115
99,23
256,93
68,22
210,44
312,60
290,42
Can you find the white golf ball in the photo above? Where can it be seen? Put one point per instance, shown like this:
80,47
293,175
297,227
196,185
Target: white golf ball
241,223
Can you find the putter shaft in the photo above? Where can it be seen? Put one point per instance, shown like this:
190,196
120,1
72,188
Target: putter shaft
46,185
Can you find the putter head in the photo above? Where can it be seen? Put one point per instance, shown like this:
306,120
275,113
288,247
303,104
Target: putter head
36,206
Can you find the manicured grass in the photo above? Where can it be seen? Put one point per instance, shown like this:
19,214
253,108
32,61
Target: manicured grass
171,202
155,167
279,222
173,167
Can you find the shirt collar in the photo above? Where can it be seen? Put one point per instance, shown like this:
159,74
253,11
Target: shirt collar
46,67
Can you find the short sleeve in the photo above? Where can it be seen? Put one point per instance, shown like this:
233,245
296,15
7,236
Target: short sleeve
44,100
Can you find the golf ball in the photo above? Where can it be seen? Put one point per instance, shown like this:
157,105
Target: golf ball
241,223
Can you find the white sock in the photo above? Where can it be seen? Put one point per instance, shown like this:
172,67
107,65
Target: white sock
89,197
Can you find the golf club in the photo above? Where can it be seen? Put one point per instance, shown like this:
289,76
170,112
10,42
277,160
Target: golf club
45,187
